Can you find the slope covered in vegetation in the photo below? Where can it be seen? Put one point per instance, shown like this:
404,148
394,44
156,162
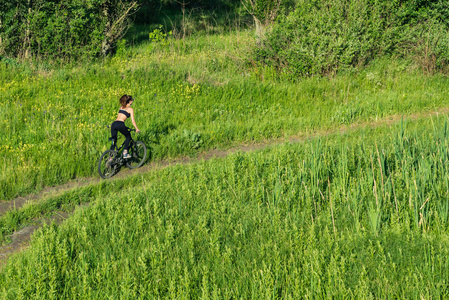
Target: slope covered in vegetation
362,215
357,216
192,95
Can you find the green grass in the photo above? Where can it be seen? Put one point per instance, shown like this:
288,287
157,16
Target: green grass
363,215
192,95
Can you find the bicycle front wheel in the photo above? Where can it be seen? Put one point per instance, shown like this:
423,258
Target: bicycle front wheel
138,153
106,164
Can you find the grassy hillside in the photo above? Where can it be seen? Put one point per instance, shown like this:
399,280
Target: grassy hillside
192,95
356,214
348,216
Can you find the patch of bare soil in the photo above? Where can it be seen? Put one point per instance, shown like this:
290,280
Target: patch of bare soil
18,202
20,239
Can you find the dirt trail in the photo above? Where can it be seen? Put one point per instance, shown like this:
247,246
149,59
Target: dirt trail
20,239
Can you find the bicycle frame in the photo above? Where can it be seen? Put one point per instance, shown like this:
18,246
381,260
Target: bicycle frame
131,142
123,145
111,160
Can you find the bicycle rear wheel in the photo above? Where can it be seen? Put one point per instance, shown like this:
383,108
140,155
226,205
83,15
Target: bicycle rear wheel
106,164
138,152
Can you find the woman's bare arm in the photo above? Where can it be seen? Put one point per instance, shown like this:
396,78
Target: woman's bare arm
133,120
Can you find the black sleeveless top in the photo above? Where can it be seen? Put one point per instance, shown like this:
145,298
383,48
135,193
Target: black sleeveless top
127,114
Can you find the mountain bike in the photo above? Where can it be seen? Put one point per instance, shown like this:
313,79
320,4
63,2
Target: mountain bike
111,161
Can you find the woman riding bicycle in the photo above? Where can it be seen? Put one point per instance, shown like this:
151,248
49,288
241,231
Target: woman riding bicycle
124,113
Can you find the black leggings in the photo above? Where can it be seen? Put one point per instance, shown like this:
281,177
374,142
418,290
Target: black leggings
120,126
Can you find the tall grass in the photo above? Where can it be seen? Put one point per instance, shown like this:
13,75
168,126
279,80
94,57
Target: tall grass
358,216
192,95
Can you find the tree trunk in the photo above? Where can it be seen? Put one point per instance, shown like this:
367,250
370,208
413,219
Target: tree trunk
27,40
260,28
107,16
1,40
116,23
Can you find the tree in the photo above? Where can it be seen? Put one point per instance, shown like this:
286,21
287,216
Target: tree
65,29
264,12
116,14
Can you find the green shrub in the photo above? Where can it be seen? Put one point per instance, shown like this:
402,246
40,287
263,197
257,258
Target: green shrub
62,28
324,36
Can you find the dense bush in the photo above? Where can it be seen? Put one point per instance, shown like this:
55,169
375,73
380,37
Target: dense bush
62,28
324,36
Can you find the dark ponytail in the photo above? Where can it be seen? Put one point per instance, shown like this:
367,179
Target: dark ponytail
125,99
